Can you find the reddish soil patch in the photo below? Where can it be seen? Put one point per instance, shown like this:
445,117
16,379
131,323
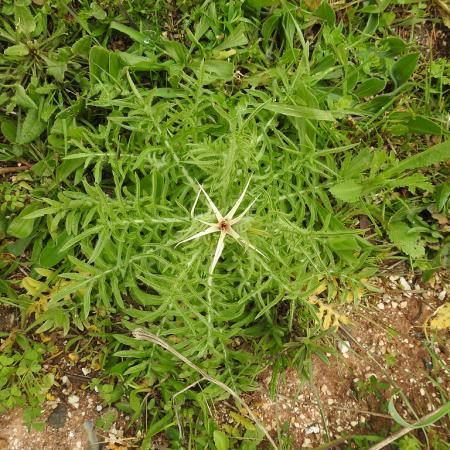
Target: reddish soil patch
77,433
71,436
382,351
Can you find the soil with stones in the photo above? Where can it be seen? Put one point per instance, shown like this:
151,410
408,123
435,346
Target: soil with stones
385,349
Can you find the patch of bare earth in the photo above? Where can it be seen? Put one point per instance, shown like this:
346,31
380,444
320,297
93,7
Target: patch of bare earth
383,350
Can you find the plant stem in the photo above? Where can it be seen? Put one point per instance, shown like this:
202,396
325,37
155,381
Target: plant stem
144,335
403,431
5,170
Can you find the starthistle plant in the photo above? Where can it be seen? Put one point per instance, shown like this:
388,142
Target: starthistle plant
224,224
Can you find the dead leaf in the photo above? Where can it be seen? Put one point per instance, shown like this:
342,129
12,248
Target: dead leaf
444,9
441,319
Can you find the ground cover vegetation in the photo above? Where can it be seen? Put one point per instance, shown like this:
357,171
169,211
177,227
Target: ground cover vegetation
126,127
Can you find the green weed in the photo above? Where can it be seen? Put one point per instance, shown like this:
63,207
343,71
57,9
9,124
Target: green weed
121,111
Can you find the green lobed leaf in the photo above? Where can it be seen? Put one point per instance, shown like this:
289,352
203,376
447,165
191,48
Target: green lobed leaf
221,440
403,68
347,191
405,239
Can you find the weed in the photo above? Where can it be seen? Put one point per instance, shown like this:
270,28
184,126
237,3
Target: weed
119,111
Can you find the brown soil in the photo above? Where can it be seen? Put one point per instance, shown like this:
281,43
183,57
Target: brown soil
15,435
385,343
382,349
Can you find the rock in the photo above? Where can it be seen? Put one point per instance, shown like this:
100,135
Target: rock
58,417
380,306
313,429
344,346
404,284
74,400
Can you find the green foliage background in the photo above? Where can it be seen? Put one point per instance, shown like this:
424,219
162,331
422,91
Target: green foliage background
120,107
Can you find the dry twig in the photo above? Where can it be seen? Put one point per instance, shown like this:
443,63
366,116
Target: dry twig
144,335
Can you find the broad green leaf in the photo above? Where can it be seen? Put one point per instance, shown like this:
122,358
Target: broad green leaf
52,254
347,191
137,36
177,51
17,50
374,105
377,8
417,180
9,129
404,68
142,63
98,63
23,99
442,195
370,87
394,46
424,125
304,112
160,425
437,154
406,240
25,22
236,39
21,227
213,70
32,127
67,167
258,4
221,440
326,12
82,46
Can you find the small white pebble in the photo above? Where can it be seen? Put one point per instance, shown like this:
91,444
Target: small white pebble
74,400
394,305
86,370
313,429
442,295
353,423
344,346
404,284
330,401
362,419
403,304
380,306
99,407
71,434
